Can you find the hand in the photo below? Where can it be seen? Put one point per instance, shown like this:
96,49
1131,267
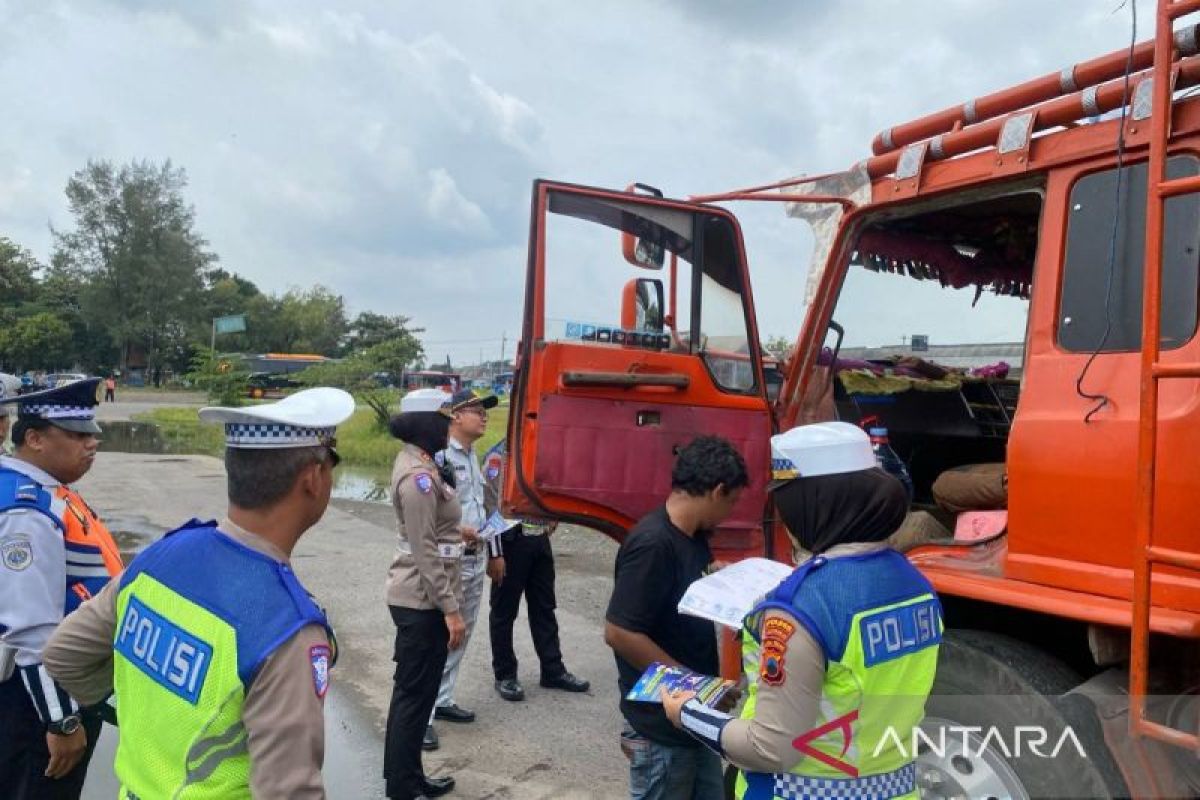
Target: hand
458,630
551,527
673,704
470,534
65,752
496,569
716,565
729,699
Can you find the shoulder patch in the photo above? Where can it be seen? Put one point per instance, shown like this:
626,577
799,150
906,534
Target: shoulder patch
775,635
319,657
423,482
16,554
492,470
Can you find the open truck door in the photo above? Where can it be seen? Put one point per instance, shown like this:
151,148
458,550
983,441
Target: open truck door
638,336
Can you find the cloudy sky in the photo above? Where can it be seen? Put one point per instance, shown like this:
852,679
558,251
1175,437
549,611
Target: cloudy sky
386,149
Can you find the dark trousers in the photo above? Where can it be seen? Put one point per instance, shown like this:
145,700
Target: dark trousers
422,642
110,395
529,565
23,751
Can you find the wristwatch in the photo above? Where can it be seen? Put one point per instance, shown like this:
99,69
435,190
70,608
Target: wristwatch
65,726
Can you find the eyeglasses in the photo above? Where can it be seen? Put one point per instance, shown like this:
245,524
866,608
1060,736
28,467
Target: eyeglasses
479,411
334,458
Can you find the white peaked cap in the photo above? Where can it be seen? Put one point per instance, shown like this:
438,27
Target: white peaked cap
304,419
424,400
822,448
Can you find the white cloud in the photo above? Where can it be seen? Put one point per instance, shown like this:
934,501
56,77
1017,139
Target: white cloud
387,150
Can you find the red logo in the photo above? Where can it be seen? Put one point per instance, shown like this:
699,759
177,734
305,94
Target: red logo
843,724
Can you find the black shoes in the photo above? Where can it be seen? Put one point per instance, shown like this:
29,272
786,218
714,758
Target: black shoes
436,787
430,742
510,689
567,682
452,713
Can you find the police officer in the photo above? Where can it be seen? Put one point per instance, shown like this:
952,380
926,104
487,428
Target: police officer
218,656
54,554
469,423
424,591
844,650
526,567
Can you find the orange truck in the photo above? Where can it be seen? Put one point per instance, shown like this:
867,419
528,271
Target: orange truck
1062,215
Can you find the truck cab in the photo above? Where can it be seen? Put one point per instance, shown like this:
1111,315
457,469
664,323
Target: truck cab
978,289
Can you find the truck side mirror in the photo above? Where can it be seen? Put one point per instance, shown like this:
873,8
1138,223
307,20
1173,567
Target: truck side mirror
642,305
639,250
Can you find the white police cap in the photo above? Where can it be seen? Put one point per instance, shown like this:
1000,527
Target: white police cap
305,419
425,400
822,448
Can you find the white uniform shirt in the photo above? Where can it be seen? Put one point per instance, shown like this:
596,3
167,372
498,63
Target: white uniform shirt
469,482
33,579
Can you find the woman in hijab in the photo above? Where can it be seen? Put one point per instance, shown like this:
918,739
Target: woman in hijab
840,657
423,588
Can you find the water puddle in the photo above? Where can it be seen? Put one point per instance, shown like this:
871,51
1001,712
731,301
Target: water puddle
132,437
367,484
132,533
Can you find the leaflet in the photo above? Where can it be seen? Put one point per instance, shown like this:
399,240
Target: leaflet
708,689
497,525
728,595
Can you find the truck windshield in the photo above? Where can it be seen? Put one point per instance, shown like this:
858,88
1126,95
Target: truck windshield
704,310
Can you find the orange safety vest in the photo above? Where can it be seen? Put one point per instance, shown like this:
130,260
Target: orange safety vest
92,554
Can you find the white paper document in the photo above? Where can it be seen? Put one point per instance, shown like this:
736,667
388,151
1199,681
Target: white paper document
728,595
496,525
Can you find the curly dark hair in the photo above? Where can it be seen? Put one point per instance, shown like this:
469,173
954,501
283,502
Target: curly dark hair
706,463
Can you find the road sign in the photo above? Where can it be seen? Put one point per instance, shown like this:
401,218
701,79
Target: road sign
231,324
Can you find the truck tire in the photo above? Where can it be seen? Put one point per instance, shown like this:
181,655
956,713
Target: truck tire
996,683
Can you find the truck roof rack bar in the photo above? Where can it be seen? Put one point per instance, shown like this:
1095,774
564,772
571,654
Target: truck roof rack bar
1054,113
1039,90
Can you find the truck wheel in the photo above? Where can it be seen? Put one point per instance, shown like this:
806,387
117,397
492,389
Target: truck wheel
994,726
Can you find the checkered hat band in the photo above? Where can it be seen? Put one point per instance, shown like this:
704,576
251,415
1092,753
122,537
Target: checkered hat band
868,787
59,412
274,434
783,469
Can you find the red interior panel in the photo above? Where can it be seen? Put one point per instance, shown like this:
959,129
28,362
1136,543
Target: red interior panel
594,450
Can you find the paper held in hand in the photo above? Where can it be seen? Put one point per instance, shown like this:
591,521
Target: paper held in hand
496,525
727,595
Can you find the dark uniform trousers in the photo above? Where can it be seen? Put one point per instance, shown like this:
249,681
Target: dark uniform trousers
529,570
23,751
422,644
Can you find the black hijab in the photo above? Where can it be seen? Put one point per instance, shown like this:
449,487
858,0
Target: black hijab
828,510
428,430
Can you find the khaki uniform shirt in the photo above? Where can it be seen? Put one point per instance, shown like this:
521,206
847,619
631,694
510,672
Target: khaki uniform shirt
284,717
424,575
763,743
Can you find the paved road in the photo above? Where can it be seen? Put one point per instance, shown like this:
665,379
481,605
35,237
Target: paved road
131,403
553,745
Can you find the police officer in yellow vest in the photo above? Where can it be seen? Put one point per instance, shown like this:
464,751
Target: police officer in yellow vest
840,657
218,656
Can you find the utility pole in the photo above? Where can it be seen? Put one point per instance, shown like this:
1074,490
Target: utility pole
503,346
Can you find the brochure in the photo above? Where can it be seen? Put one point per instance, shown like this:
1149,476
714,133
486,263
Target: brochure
497,525
727,595
708,689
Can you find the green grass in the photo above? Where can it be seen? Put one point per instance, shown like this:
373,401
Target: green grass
361,443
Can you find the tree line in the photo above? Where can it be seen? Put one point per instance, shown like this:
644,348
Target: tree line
133,284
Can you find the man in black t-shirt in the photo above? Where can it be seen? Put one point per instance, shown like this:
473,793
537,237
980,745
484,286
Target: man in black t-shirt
662,555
